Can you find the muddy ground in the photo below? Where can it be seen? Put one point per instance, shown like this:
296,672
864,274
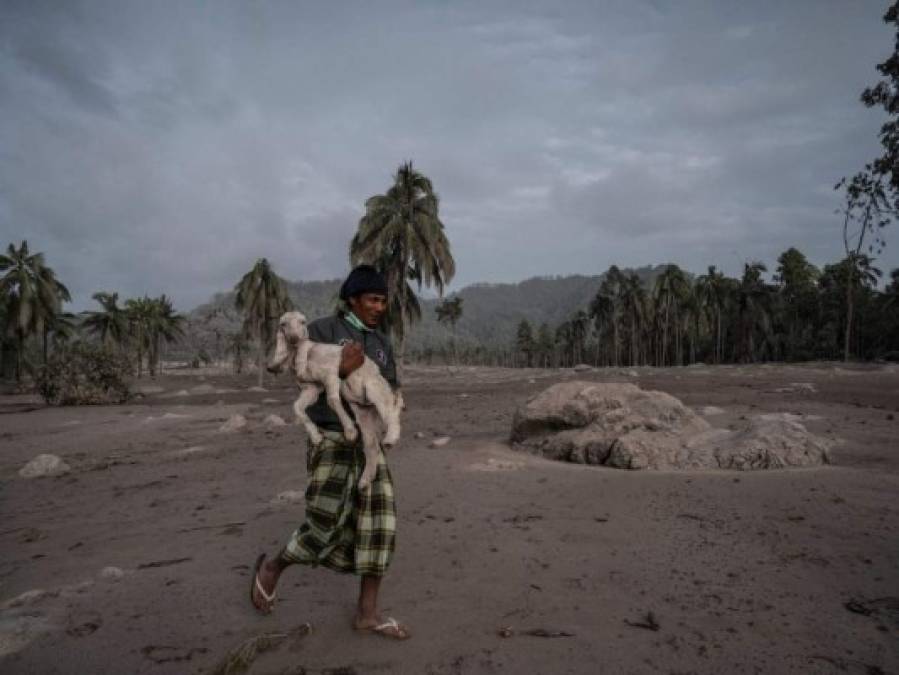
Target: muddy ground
793,571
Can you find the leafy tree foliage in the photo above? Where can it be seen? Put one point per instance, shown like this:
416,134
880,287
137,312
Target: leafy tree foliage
262,297
32,296
402,236
84,374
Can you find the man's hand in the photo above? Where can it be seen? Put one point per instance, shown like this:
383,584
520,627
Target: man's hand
351,358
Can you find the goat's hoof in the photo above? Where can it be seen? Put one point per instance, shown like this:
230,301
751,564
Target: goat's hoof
316,439
364,484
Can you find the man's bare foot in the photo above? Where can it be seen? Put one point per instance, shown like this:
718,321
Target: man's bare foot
265,579
388,627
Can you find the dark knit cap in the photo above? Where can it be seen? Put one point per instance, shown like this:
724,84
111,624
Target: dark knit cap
363,279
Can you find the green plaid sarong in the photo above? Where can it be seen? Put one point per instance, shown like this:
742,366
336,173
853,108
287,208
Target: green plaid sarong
345,530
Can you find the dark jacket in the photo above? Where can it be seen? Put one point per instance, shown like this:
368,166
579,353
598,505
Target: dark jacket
336,330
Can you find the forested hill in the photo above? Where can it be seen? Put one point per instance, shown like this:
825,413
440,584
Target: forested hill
490,312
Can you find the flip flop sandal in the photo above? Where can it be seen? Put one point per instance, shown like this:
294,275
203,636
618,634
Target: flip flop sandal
389,629
256,585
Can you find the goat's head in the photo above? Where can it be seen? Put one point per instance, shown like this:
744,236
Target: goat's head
291,330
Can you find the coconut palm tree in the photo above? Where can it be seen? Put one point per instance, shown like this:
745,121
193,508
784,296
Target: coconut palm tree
111,323
753,309
138,312
606,308
450,311
262,297
31,294
633,301
712,289
402,236
236,345
671,288
163,325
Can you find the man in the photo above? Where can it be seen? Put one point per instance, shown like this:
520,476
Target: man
345,530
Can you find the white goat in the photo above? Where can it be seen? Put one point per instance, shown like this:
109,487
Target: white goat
316,366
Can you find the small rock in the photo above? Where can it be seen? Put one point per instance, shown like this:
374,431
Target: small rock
202,389
258,389
288,497
419,435
633,373
112,573
582,367
234,423
439,442
44,465
274,421
464,395
270,400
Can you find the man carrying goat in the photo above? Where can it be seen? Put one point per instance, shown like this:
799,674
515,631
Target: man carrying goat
347,530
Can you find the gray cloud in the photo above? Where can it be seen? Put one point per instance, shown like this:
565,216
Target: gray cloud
163,147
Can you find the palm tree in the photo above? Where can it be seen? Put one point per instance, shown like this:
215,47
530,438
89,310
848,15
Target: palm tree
402,236
712,290
138,312
671,288
62,326
236,345
753,308
450,311
31,294
262,297
633,300
858,273
580,326
605,308
111,323
163,324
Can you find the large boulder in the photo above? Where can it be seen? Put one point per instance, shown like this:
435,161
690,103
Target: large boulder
623,426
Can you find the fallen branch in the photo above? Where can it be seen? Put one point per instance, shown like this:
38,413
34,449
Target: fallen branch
507,632
163,563
239,659
648,623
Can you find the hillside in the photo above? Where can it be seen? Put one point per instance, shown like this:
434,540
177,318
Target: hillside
490,316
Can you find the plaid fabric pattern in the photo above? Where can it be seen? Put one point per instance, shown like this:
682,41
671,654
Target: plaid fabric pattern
345,530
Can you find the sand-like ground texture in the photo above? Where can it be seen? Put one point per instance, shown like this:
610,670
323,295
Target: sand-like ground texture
506,562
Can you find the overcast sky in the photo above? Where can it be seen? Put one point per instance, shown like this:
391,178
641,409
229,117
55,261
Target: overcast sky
150,147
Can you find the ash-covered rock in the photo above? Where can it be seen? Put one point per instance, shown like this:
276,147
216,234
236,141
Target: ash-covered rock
623,426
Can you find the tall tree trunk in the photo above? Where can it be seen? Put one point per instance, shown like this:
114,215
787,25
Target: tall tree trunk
849,308
718,336
261,356
20,347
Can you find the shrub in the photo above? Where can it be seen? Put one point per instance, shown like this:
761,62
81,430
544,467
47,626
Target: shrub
84,374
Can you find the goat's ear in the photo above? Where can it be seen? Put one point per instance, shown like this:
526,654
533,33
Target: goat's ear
280,349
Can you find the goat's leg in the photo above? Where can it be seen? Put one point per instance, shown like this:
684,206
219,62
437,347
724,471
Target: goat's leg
369,424
308,395
381,396
332,387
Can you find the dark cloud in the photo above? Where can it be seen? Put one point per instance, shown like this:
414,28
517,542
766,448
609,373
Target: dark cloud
163,147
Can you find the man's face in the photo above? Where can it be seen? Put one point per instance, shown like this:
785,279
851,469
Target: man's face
369,307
